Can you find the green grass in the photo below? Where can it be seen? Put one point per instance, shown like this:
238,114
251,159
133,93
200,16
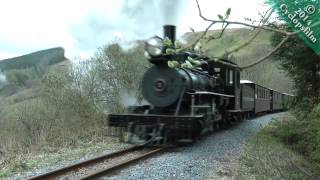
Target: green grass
267,157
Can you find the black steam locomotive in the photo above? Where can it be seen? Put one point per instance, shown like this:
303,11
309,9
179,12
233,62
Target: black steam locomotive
188,102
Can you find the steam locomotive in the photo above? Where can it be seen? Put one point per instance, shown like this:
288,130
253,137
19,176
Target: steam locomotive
185,103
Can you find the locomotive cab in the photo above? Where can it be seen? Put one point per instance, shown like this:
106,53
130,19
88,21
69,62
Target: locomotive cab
228,74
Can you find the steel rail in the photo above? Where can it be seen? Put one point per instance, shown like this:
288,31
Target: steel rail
118,166
85,163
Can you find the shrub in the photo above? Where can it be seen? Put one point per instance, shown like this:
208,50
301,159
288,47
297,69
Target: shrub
301,133
22,77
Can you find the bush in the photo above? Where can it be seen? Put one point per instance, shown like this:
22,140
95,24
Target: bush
18,77
301,133
116,72
23,77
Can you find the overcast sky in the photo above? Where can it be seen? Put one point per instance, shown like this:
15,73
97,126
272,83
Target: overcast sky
81,26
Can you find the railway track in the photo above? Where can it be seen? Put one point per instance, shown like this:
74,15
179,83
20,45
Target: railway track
102,165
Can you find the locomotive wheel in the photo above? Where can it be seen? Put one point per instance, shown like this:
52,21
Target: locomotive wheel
222,125
216,126
225,124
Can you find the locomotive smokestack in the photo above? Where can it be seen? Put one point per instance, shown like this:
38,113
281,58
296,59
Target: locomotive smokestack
170,32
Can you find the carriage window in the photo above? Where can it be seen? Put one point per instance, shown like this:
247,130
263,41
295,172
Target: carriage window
238,79
265,94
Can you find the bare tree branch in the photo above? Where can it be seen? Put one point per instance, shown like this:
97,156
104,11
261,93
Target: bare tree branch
264,18
259,26
267,55
225,23
230,51
264,27
192,45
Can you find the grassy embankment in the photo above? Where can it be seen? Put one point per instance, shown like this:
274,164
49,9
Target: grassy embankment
288,148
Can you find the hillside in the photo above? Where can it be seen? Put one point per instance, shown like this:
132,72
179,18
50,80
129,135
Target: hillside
266,73
21,76
47,56
233,38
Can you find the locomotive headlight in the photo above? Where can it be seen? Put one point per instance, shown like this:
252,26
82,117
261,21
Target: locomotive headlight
154,46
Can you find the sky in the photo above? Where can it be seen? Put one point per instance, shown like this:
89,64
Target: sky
82,26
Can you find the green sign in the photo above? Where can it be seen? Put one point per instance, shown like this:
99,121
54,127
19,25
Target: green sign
303,17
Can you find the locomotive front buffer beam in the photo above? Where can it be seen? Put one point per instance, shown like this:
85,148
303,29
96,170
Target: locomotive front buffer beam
173,128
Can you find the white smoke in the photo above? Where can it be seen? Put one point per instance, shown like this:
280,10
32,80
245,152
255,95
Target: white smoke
128,98
129,20
3,80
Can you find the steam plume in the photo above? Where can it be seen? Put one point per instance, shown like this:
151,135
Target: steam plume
128,98
132,20
3,80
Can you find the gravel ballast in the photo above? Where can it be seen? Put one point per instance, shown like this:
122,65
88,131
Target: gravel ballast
203,159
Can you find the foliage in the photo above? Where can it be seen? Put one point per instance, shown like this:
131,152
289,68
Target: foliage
303,66
118,72
188,63
20,77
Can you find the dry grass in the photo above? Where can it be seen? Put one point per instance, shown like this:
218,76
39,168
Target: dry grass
37,160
